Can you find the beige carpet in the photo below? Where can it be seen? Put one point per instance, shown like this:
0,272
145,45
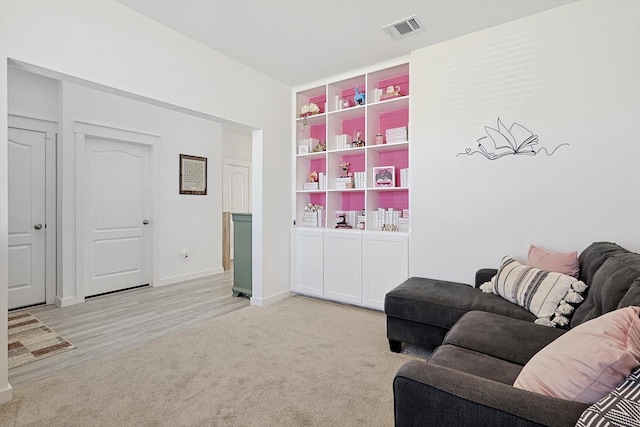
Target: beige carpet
31,340
300,362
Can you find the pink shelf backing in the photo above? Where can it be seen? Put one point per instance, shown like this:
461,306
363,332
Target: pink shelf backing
402,81
317,132
320,101
356,162
397,200
318,199
396,158
393,119
352,201
318,165
352,126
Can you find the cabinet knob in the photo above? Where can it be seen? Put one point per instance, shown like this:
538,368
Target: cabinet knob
37,226
145,222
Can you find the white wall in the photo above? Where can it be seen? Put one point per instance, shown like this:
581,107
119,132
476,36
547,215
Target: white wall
570,75
104,43
236,144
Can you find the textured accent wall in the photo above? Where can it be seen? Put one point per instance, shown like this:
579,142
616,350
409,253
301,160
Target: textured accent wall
567,79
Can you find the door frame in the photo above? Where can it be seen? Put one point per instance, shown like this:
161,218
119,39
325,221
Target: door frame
82,131
52,261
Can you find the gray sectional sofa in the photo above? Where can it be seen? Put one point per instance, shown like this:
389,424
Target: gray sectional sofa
481,343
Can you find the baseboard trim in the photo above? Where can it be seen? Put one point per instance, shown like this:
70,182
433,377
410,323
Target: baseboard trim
261,302
66,302
7,394
190,276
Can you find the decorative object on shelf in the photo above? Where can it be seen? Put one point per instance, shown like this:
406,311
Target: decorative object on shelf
394,135
310,109
344,167
320,147
307,110
193,175
303,149
384,176
379,139
516,140
313,216
358,141
346,103
391,92
313,176
342,220
359,97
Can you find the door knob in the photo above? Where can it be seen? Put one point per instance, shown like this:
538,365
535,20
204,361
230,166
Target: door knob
37,226
145,222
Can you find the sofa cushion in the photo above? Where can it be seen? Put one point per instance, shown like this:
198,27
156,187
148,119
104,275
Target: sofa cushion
500,336
589,361
543,293
608,286
593,256
565,263
475,363
618,408
441,303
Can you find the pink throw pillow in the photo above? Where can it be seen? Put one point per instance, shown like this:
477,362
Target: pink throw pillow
566,263
589,361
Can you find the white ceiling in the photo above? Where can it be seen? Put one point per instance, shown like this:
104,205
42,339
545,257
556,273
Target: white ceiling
301,41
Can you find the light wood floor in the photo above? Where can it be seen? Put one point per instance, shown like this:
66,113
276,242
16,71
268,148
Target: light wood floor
114,322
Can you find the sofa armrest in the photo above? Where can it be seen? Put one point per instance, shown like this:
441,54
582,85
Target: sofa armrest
484,275
426,394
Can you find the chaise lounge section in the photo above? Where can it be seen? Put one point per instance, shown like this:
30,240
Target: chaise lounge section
483,342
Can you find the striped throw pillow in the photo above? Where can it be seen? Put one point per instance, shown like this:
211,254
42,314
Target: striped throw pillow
544,293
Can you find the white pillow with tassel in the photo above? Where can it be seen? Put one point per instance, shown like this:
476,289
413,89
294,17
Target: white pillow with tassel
546,294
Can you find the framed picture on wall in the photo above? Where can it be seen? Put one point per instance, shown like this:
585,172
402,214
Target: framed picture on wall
384,176
193,175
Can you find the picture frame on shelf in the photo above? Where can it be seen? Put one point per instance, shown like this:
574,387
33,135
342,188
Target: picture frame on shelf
384,176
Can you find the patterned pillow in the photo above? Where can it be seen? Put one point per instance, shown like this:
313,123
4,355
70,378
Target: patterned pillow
544,293
621,407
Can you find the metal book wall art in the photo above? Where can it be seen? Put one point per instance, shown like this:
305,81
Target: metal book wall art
513,141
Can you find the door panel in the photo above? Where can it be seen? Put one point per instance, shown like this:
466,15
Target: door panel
26,203
117,201
236,197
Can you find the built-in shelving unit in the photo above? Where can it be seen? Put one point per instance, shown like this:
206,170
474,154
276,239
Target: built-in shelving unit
340,119
359,263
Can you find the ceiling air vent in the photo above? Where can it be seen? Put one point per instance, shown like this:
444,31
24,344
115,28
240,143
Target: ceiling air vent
403,27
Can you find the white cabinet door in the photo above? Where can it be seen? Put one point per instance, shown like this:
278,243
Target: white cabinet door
385,266
307,261
343,266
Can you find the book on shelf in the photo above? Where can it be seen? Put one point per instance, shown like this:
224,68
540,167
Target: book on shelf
389,220
360,179
394,135
404,177
344,183
310,143
322,181
310,186
343,142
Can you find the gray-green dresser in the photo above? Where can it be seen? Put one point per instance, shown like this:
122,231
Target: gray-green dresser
241,254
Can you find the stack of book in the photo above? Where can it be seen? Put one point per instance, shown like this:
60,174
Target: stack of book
403,221
385,219
313,218
343,142
344,183
360,179
322,181
404,177
309,186
394,135
310,143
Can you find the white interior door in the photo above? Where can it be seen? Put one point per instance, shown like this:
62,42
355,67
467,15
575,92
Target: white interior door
236,178
27,186
116,234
